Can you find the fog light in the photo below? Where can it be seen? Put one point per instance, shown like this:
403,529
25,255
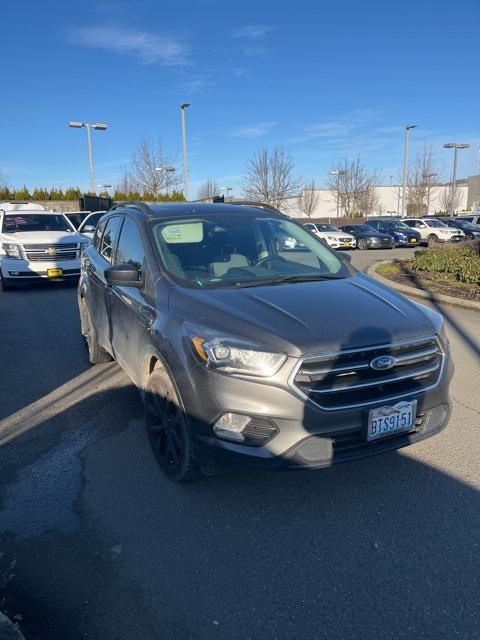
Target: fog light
230,427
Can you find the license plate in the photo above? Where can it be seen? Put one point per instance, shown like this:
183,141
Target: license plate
54,273
413,239
390,420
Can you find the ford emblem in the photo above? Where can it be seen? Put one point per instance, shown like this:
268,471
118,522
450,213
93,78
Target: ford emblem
383,363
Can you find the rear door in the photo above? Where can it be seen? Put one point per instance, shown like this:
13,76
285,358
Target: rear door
95,262
131,309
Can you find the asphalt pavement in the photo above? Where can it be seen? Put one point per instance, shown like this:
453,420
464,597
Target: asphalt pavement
96,543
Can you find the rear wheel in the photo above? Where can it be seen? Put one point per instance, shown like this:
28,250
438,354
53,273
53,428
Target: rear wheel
167,428
96,354
362,244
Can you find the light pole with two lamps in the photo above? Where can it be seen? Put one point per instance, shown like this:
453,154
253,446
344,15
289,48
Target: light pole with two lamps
183,106
100,126
456,147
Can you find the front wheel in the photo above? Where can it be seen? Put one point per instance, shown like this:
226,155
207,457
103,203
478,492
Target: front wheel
432,240
167,428
362,244
6,284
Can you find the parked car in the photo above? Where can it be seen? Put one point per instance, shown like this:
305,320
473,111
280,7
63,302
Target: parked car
332,235
470,230
402,234
474,219
369,238
245,355
433,230
87,227
37,245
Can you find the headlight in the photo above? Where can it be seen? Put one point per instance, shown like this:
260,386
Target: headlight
232,355
12,251
83,246
331,238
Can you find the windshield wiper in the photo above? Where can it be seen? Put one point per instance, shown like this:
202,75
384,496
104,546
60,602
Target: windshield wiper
286,280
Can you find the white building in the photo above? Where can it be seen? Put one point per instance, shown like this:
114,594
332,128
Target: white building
389,201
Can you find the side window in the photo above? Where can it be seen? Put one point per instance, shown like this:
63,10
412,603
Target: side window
130,246
98,234
109,236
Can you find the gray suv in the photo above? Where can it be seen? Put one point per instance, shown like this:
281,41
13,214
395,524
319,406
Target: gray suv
250,351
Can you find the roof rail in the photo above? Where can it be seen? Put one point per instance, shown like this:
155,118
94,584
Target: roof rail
140,206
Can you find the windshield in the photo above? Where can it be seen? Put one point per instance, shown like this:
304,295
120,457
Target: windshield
326,227
34,222
365,228
397,225
435,223
238,250
464,224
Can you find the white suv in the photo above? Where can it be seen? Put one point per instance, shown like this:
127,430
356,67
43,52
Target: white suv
432,230
36,245
332,235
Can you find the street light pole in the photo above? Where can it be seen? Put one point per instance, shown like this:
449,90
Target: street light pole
338,174
405,167
455,146
75,124
183,106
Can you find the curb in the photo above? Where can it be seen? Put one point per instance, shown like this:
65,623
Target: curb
438,298
8,630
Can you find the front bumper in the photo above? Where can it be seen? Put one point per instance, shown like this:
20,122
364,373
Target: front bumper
307,436
25,271
408,242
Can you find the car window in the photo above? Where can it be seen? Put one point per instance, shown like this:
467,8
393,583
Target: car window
235,250
109,236
98,234
130,247
24,221
91,220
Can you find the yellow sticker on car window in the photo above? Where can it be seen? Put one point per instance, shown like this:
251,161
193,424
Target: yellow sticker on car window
183,233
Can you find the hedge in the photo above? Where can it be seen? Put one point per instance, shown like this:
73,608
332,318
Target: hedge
463,263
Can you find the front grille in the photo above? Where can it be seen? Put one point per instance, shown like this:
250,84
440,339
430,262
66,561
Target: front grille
50,252
346,240
345,379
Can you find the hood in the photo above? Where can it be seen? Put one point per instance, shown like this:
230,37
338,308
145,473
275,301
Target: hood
306,317
335,234
42,237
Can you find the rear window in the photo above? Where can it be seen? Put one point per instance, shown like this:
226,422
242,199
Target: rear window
34,222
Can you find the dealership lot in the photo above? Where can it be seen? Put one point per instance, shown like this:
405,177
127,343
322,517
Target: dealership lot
99,544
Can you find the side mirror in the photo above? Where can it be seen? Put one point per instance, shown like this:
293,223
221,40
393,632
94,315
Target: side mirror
123,275
89,228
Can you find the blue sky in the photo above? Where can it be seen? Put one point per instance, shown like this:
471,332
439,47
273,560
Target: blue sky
325,80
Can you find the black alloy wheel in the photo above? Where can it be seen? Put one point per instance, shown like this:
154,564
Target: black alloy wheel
362,243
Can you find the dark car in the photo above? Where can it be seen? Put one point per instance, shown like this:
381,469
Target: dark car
400,232
474,219
245,353
369,238
470,230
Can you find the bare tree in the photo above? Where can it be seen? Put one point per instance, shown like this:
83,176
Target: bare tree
422,181
355,187
208,189
446,199
269,177
308,200
143,173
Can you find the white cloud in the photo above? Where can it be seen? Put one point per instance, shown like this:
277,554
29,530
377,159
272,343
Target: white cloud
252,32
253,131
147,48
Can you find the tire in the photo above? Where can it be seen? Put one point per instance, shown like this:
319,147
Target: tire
6,284
96,355
167,428
362,244
432,240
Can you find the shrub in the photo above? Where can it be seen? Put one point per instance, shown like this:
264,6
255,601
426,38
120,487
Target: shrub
463,263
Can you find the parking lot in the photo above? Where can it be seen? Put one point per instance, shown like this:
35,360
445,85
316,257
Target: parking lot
96,543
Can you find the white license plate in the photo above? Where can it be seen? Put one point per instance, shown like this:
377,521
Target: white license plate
390,420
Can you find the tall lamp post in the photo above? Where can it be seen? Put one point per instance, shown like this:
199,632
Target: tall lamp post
338,174
405,167
166,171
456,147
227,189
428,177
76,124
104,186
183,106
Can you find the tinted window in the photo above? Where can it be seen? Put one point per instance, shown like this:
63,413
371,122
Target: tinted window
130,246
98,234
109,236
